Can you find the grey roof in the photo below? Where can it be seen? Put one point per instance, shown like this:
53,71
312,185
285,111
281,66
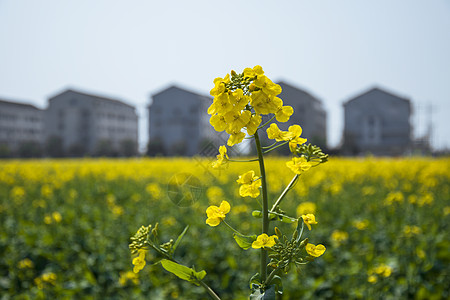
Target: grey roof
101,98
13,103
298,89
176,87
373,89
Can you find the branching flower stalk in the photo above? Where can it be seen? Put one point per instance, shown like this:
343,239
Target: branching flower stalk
240,102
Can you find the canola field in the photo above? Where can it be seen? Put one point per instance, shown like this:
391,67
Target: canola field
65,226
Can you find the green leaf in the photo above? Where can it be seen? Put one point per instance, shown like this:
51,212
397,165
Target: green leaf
180,237
286,219
183,272
255,280
244,241
268,294
276,280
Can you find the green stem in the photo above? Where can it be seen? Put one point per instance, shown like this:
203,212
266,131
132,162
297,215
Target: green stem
249,160
229,226
265,207
209,290
267,147
289,186
278,146
264,125
271,275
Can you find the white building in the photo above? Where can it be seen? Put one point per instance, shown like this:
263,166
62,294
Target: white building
179,123
377,122
21,127
88,124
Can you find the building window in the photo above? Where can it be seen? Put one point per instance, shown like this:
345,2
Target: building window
372,130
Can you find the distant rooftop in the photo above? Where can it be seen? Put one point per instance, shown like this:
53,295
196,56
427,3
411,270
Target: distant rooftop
375,89
298,89
102,98
12,103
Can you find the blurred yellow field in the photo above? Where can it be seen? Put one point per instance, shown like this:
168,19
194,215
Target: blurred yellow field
65,227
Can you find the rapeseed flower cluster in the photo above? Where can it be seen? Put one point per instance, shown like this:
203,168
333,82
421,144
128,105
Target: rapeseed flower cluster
381,270
241,99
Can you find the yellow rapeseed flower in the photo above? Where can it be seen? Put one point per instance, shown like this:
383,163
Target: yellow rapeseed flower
217,214
56,217
251,190
274,133
250,184
263,240
222,158
235,138
296,131
314,250
283,113
361,224
139,262
309,219
339,236
298,165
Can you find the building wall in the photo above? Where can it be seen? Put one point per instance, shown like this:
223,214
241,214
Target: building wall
177,119
85,121
20,123
377,122
308,113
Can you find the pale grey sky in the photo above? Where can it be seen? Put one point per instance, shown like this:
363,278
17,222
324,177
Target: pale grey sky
131,49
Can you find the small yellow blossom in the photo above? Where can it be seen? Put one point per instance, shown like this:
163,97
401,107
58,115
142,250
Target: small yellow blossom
217,214
339,236
372,279
446,210
298,165
410,231
296,131
361,224
274,133
250,184
139,262
222,158
56,217
263,240
235,138
383,270
48,277
48,219
283,113
394,197
246,178
253,124
154,190
314,250
219,85
309,219
128,276
25,263
251,190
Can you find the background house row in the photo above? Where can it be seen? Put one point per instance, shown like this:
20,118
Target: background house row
80,124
